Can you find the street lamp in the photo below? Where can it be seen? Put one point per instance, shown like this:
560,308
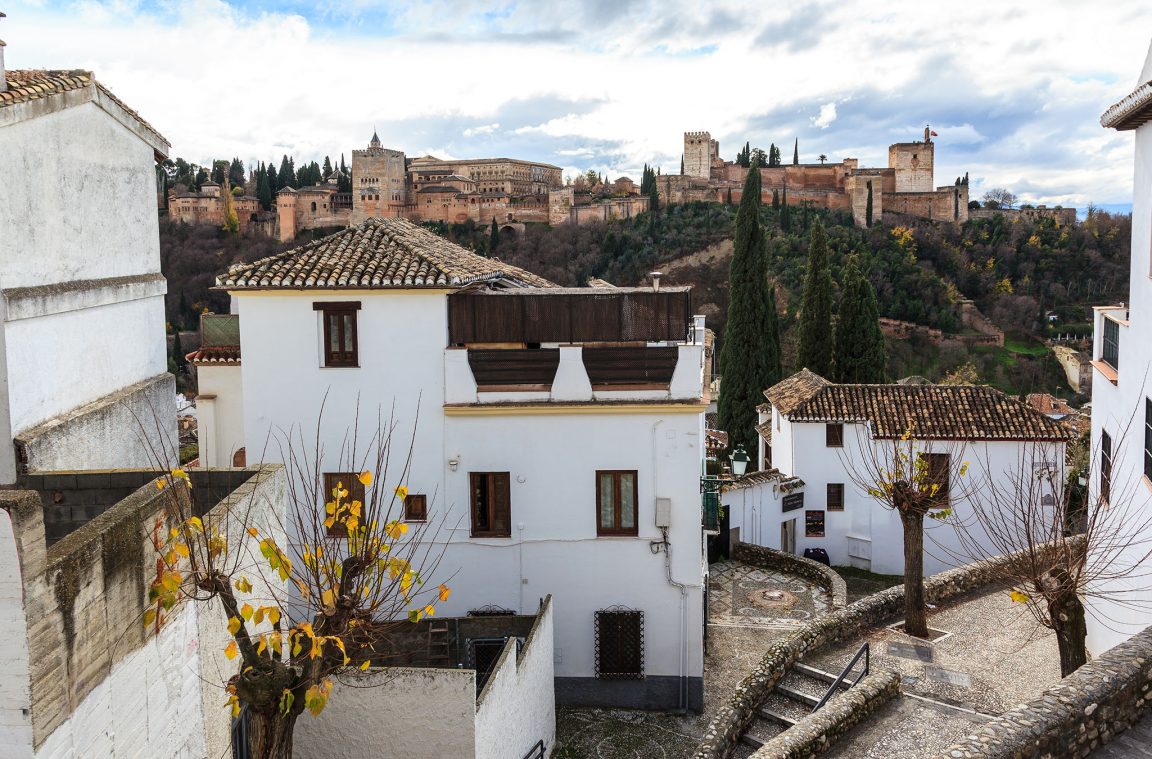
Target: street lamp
739,459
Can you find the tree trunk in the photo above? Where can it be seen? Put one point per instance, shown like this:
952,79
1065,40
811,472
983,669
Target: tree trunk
1067,614
915,619
270,734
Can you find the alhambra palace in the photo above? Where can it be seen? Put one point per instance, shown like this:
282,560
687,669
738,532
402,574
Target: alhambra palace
386,183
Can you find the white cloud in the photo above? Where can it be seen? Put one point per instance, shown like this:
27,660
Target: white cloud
1015,86
826,117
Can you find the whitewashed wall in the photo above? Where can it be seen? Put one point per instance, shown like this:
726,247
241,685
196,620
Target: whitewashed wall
416,712
219,414
518,706
1119,410
15,698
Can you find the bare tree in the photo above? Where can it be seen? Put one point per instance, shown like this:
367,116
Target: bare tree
1075,549
918,479
346,571
999,197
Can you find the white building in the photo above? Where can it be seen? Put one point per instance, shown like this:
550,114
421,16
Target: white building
80,272
818,439
559,440
1122,387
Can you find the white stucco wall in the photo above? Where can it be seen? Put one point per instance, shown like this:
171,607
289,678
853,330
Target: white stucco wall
220,414
15,722
416,712
1119,410
551,457
518,706
872,532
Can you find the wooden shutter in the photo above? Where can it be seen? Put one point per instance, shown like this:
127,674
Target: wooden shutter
501,505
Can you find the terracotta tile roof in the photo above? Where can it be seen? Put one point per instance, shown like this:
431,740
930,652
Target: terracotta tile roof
940,412
788,393
715,440
219,356
765,431
379,253
752,479
35,84
219,340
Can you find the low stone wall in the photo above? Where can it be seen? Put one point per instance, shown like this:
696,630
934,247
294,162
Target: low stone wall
819,730
769,558
1082,712
732,719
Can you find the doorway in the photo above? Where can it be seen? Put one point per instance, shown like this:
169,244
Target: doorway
788,536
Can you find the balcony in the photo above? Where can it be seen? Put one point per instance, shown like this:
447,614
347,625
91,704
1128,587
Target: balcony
1110,322
578,345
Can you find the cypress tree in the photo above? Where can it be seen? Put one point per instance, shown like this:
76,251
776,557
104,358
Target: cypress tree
327,166
785,212
654,198
815,351
729,202
868,207
859,347
776,199
750,355
178,351
796,153
681,164
236,173
263,188
493,237
285,177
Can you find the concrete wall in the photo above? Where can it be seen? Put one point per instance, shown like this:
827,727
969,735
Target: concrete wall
86,677
1118,408
220,414
517,708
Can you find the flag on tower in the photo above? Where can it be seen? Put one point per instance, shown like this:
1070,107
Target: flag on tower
934,134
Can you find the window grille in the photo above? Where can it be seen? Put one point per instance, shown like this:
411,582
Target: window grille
1111,347
619,644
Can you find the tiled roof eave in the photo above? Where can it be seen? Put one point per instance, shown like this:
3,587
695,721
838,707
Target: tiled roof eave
1131,112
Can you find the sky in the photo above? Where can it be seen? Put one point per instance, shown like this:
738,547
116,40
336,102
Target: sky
1013,89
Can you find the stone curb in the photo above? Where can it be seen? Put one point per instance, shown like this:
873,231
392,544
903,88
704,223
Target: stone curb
819,730
769,558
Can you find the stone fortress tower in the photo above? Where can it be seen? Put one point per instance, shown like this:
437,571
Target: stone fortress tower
379,181
913,162
700,152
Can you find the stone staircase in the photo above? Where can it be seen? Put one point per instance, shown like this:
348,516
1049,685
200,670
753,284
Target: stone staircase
791,700
1133,743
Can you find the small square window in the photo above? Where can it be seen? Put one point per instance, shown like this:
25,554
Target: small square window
415,508
835,496
834,435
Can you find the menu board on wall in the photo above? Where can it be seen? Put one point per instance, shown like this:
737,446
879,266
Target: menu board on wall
793,501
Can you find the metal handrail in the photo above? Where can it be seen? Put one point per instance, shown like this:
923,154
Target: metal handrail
538,751
863,651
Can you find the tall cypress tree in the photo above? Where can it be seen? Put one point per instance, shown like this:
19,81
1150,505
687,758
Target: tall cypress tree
493,237
860,356
263,188
285,177
868,207
796,152
815,351
750,355
776,199
785,212
327,167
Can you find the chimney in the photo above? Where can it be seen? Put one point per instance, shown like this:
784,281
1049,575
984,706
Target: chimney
655,280
3,79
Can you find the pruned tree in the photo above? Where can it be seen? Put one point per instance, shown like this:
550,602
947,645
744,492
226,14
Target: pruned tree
343,574
999,197
917,479
1074,550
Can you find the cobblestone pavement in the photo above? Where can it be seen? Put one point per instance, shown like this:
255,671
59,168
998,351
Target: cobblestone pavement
743,621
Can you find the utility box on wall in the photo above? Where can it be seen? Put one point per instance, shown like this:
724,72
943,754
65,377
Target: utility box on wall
663,512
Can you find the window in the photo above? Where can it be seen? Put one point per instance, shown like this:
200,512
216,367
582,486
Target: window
491,510
813,524
619,644
348,481
339,332
1148,438
1110,352
834,435
1105,466
835,496
938,473
616,503
415,508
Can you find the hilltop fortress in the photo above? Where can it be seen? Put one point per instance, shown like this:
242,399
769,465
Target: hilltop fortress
904,187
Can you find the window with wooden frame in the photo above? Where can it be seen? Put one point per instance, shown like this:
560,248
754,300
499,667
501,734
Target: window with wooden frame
415,507
619,644
834,435
616,502
1148,438
348,481
340,332
1105,467
835,496
491,506
939,473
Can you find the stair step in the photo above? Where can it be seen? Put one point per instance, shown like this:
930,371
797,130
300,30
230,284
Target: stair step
798,695
751,740
816,674
771,716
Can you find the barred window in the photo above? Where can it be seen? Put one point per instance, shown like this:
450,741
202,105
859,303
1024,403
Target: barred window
834,435
1148,438
835,496
619,644
1105,466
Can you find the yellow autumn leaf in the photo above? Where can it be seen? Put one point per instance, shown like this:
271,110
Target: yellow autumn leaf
231,650
253,532
149,617
429,610
258,615
445,591
261,645
234,625
365,478
364,667
161,484
246,611
195,524
273,615
182,549
328,600
401,492
1019,597
243,585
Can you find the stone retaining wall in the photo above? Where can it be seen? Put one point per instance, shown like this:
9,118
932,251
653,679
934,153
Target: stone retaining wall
825,576
732,719
819,730
1082,712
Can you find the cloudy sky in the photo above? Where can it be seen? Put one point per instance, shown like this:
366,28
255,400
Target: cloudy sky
1014,89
